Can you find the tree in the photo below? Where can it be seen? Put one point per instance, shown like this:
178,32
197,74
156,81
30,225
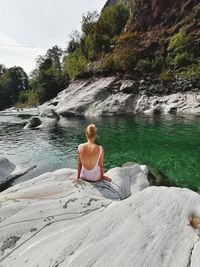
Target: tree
75,63
89,21
74,43
12,82
47,79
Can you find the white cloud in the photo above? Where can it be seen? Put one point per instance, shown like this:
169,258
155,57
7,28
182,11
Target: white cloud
14,54
38,23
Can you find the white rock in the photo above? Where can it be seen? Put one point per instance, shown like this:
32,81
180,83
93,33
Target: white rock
54,220
20,111
179,103
110,96
81,95
49,113
9,171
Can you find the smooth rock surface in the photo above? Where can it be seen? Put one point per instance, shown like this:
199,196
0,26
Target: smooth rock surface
54,220
179,103
9,171
49,113
110,96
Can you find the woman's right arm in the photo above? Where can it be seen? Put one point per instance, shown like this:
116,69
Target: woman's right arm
101,163
79,166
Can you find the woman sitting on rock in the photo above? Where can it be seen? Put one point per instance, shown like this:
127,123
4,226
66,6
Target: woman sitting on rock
91,158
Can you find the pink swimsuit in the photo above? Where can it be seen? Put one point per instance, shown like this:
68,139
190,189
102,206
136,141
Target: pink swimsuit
93,174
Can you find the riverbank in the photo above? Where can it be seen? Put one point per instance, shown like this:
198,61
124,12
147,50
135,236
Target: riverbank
56,220
113,96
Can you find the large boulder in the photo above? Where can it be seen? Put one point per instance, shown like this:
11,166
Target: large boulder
10,171
55,219
33,123
49,113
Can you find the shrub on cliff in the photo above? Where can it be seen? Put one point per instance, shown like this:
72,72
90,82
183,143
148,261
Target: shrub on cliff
180,49
144,65
192,72
106,64
127,52
165,76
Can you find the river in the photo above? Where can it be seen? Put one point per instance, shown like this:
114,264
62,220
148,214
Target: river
170,144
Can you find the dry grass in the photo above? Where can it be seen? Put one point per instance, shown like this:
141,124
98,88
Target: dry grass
195,222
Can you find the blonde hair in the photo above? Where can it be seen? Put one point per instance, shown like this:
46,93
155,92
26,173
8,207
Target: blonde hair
91,130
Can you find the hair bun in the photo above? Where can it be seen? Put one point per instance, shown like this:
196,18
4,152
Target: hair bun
91,130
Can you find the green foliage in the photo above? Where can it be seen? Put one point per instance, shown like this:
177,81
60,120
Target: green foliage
183,59
106,64
74,43
192,72
100,33
165,76
180,42
12,82
28,98
113,20
180,49
47,79
89,21
157,63
144,65
75,64
127,52
153,66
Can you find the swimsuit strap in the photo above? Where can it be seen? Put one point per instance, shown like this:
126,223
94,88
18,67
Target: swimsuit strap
99,154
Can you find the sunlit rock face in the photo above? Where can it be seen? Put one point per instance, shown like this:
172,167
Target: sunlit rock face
112,96
55,220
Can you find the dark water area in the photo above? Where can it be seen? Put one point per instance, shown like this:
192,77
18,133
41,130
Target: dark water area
170,144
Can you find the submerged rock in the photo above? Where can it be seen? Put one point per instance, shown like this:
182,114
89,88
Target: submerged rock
10,171
55,219
33,123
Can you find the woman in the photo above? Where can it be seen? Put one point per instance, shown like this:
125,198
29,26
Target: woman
91,158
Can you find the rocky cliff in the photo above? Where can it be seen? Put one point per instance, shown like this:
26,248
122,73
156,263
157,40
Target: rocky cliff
158,19
156,14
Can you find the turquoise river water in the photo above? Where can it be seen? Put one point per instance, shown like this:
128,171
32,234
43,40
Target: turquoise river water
170,144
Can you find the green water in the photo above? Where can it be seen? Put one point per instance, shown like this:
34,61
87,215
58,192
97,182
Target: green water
170,144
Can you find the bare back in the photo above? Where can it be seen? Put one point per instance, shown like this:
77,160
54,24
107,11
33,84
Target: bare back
89,154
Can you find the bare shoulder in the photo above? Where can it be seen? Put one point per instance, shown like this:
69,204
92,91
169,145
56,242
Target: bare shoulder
80,146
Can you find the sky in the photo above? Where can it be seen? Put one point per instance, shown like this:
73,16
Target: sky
29,27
